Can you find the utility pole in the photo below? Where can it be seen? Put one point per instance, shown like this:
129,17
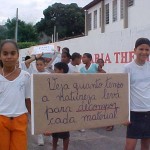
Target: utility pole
54,34
16,29
57,37
52,38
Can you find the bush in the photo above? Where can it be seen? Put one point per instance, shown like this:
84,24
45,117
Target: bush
23,45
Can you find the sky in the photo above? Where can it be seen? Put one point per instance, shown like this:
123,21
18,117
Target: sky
30,11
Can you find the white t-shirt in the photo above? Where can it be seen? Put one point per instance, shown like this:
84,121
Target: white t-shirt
37,72
139,86
13,95
73,69
29,70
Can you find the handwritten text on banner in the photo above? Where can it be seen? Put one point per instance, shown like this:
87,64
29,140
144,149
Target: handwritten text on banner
65,102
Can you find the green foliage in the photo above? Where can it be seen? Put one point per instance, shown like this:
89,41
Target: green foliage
26,32
23,45
3,32
68,19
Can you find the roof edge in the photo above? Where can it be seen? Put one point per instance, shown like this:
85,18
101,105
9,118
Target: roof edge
93,3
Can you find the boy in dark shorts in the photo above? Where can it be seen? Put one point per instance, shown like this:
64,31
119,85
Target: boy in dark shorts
139,70
61,67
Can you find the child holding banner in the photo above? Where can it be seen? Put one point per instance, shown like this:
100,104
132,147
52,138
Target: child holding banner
139,70
25,66
61,67
14,99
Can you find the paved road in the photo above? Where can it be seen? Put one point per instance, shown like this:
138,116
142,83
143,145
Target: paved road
91,139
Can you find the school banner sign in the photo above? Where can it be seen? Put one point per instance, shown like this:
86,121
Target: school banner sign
66,102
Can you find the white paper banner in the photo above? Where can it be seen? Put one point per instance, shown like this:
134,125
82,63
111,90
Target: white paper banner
47,48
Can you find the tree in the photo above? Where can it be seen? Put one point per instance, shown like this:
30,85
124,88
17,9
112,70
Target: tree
68,19
3,32
26,32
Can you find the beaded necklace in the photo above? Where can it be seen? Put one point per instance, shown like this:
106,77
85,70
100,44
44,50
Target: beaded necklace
7,74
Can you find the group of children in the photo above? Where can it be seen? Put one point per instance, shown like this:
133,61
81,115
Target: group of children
15,93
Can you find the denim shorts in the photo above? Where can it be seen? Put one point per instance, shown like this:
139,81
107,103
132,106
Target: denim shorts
140,125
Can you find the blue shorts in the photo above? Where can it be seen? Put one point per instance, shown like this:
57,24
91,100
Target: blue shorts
140,125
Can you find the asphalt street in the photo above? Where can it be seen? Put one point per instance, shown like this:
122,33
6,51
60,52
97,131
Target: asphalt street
91,139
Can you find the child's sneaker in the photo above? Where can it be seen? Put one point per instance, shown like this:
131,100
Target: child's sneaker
40,140
82,130
50,139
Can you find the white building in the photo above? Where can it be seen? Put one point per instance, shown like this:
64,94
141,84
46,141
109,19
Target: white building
111,29
105,16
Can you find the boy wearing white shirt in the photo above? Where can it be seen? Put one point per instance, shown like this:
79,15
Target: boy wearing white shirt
139,70
75,61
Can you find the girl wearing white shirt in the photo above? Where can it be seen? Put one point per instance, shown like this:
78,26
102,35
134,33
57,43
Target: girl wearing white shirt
14,99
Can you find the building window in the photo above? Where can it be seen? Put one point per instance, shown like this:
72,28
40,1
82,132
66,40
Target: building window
107,13
121,9
89,19
114,10
95,19
130,3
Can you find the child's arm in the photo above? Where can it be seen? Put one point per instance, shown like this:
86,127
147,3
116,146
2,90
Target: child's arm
48,133
34,57
28,104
